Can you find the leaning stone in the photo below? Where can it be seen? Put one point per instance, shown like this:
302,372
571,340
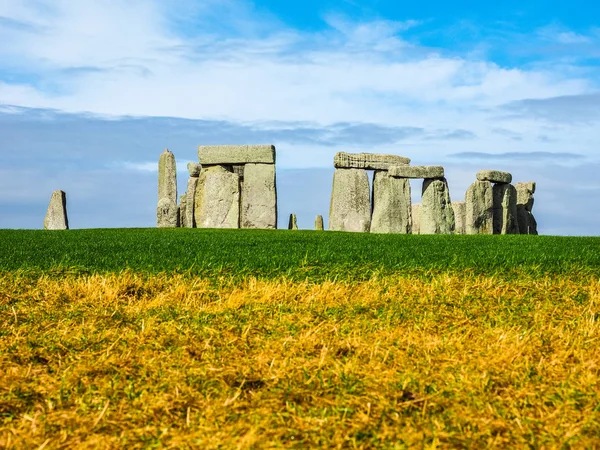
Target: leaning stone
236,154
217,200
56,216
319,223
460,214
392,212
190,220
350,207
167,177
416,218
370,161
505,209
494,176
417,171
525,201
480,208
182,211
437,215
194,169
293,223
167,214
259,197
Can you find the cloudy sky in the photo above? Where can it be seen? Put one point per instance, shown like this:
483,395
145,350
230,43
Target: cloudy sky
92,91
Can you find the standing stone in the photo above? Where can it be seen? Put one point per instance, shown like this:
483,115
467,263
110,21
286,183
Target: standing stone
56,216
259,197
392,212
480,208
217,200
437,215
525,200
319,223
505,209
460,215
182,211
167,214
350,207
190,220
293,223
167,177
416,218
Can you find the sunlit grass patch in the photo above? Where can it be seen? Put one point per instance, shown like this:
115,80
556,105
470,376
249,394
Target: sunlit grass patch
137,360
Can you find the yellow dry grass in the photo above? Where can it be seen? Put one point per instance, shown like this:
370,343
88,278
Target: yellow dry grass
452,360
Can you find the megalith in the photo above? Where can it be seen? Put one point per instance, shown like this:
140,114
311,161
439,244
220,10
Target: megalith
370,161
437,215
259,196
350,207
293,222
190,218
494,176
217,199
525,200
182,211
167,191
56,216
505,209
392,211
479,217
319,223
416,218
460,215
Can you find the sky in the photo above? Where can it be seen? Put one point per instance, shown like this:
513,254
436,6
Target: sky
91,92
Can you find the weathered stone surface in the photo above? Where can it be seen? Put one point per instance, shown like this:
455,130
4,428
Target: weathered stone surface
236,154
56,216
293,223
259,197
182,212
460,216
416,218
494,176
480,208
239,170
371,161
190,218
350,207
525,200
167,214
319,223
505,209
194,169
437,215
392,212
217,200
417,171
167,177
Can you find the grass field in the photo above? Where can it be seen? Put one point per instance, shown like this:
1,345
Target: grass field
256,339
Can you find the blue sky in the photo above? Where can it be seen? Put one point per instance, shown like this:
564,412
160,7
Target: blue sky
91,92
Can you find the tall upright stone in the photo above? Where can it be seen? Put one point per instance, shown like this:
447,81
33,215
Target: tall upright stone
460,215
190,218
319,223
525,201
437,215
182,211
167,211
392,212
505,209
350,207
479,218
217,200
259,197
56,215
293,222
416,218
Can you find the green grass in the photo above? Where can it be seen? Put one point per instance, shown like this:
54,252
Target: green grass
295,254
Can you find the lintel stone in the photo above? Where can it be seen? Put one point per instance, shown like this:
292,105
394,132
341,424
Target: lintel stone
494,176
417,171
369,161
236,154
